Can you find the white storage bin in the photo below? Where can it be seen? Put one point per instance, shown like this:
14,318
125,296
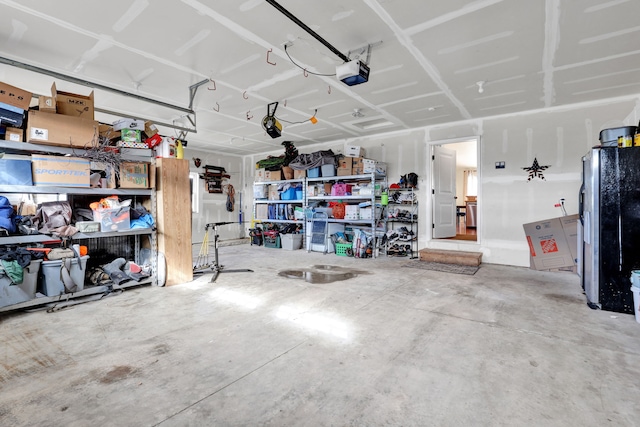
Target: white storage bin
14,294
52,284
291,242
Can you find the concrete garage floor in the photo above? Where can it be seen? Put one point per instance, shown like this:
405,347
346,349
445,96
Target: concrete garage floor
393,346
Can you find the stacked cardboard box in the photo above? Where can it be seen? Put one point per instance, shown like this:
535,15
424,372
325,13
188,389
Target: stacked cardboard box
13,103
345,166
60,171
64,119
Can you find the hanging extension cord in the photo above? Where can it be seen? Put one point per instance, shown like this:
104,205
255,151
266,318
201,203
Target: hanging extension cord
561,206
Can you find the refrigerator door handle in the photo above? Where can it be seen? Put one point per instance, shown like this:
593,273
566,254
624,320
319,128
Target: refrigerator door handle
581,203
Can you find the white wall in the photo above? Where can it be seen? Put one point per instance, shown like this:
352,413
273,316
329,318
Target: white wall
557,137
212,206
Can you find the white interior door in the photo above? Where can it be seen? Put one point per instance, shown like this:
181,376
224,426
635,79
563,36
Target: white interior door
444,192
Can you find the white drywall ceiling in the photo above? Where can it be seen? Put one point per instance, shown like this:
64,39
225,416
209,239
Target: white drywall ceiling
425,63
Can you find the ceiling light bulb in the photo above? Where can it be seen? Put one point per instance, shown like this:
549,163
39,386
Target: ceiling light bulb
481,86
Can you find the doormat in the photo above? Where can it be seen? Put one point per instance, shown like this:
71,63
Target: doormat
446,268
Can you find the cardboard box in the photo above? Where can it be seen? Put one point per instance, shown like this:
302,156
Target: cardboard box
262,211
142,153
274,194
369,166
351,212
134,175
131,135
129,124
60,170
273,175
58,129
354,151
14,135
345,163
72,104
150,129
260,175
117,219
549,242
15,172
107,132
88,226
154,141
133,145
47,104
367,213
299,174
110,177
14,96
570,228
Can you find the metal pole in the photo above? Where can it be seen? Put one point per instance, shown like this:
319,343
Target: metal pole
302,25
82,82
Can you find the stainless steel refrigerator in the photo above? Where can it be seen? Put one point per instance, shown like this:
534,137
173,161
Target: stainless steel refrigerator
609,229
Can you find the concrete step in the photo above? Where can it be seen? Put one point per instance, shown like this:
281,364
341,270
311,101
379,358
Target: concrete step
451,257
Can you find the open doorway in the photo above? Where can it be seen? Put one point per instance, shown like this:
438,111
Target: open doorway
455,190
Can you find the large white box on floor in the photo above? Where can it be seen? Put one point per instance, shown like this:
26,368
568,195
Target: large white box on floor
331,229
13,294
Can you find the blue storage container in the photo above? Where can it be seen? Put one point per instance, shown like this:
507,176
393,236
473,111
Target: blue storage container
289,194
313,172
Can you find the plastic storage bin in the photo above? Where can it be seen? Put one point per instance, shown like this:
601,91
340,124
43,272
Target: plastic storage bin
271,239
15,294
291,242
52,285
313,172
343,249
289,194
328,170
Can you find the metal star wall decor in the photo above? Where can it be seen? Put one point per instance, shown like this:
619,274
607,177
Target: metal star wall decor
535,170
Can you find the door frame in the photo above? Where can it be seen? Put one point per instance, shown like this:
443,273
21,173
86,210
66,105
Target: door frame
450,243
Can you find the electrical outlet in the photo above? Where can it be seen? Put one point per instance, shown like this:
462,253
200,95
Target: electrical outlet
499,165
